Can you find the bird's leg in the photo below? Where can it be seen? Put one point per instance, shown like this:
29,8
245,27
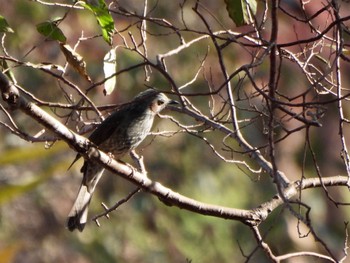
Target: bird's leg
138,159
111,157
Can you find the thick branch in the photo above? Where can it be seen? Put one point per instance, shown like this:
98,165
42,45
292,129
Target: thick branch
13,97
252,217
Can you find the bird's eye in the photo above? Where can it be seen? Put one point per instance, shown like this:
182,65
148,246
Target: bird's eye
160,102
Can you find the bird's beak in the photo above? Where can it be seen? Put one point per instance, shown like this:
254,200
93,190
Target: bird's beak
173,102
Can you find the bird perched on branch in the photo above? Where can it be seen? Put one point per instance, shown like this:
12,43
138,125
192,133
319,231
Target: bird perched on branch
118,134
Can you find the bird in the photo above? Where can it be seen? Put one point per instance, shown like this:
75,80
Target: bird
117,135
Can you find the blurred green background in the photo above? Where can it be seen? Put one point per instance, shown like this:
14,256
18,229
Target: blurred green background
37,191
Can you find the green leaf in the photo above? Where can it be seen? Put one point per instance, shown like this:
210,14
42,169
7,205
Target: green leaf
241,11
4,26
50,30
110,68
104,18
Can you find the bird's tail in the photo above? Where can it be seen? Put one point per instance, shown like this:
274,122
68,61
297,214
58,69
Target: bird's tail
77,216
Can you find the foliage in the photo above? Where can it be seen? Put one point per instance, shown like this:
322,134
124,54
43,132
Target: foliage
103,17
51,31
4,26
241,11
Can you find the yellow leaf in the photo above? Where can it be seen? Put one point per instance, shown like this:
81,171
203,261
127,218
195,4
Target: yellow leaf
75,60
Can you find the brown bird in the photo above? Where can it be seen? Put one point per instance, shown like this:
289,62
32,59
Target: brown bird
118,134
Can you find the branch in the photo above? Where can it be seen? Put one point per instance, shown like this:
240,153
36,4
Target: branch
252,217
82,145
304,254
115,206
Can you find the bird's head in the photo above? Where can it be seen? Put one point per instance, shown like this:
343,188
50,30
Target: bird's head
155,100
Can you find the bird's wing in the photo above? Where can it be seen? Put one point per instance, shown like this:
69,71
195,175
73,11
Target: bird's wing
103,131
106,128
76,159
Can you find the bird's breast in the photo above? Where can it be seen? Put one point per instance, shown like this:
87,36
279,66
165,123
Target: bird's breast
127,136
